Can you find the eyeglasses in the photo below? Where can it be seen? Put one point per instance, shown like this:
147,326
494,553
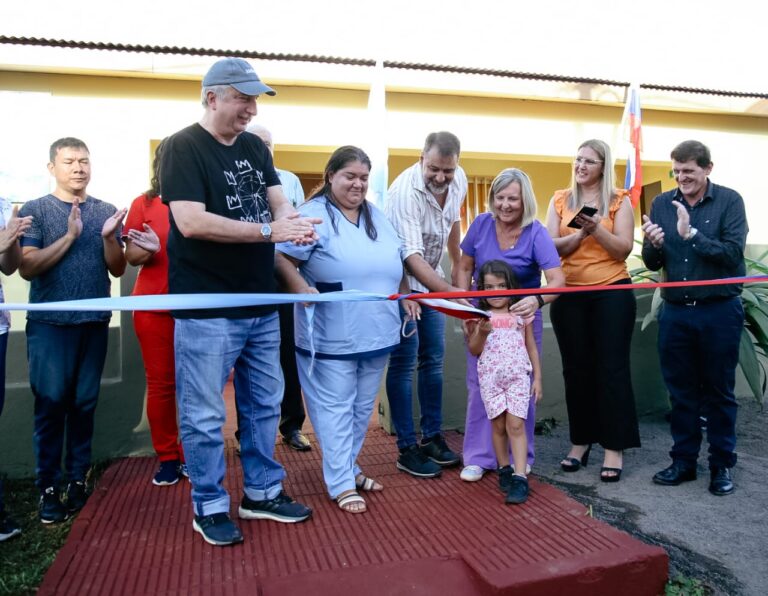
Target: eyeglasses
589,162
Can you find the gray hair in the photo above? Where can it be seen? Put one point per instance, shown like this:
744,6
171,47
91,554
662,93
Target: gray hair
447,143
504,179
220,91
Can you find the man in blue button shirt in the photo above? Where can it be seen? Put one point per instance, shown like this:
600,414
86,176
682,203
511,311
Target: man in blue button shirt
696,232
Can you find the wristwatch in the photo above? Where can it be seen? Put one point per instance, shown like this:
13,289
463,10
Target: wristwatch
540,300
691,233
266,231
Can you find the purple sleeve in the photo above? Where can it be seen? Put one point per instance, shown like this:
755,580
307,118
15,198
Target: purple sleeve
468,244
544,251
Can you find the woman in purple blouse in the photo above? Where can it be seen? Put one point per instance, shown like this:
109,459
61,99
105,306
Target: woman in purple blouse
511,233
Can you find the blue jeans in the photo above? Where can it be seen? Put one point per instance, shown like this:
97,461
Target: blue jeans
206,351
65,366
699,351
428,346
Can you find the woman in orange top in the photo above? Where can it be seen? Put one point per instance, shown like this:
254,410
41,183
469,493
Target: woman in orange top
594,329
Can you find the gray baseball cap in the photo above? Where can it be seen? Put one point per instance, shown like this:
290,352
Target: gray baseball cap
236,73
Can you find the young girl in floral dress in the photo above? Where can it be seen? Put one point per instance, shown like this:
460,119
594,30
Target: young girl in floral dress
507,357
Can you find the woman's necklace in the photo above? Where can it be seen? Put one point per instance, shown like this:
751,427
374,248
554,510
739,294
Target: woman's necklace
507,240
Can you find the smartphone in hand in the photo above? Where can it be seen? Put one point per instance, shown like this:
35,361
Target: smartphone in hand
585,210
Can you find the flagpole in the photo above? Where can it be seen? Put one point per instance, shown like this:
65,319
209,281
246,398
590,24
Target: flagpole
631,123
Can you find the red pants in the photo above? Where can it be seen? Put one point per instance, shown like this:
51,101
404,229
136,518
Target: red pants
155,333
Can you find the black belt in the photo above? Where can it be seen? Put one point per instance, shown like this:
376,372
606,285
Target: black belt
700,301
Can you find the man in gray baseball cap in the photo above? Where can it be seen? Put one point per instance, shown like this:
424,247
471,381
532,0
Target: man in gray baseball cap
236,73
227,211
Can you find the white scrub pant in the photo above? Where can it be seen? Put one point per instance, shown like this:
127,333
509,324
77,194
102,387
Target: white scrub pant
340,396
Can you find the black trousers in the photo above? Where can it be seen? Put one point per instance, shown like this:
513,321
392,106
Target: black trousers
699,352
292,413
594,333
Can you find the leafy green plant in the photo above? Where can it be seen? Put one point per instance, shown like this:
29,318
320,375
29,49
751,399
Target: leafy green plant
685,586
753,349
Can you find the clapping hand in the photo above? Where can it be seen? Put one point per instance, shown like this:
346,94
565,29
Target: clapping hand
14,229
110,225
146,240
653,232
683,219
292,228
74,223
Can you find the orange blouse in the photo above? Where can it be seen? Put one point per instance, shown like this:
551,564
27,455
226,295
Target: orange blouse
590,264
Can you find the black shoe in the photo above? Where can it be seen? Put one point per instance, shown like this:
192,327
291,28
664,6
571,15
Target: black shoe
296,440
76,496
217,529
720,482
572,464
416,463
8,527
610,474
167,474
675,474
282,508
437,450
518,490
51,510
505,477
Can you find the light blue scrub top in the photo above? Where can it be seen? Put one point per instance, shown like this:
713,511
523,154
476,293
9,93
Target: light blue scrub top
348,260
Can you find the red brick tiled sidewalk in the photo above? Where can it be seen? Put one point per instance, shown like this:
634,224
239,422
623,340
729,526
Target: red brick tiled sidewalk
435,536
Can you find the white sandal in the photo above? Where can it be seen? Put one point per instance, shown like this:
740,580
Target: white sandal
362,482
347,501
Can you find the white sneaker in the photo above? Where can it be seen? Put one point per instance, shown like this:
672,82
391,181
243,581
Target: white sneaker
472,473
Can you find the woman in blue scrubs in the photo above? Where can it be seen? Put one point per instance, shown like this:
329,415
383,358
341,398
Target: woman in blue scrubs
342,347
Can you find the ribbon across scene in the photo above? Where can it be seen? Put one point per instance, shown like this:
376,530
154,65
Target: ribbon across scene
208,301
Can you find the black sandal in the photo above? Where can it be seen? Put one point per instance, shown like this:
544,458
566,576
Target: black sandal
614,474
572,464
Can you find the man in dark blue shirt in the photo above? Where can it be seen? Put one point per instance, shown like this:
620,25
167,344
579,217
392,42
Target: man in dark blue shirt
695,232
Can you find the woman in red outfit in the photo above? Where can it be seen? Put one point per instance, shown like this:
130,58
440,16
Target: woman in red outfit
146,236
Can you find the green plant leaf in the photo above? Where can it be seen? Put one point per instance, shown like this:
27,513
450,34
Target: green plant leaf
751,367
750,296
757,321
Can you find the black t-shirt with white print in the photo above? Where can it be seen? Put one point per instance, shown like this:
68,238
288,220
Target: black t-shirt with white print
232,181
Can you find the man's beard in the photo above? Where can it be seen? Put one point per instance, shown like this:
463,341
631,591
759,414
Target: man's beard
437,189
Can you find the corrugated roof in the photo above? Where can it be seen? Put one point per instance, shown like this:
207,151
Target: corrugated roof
350,61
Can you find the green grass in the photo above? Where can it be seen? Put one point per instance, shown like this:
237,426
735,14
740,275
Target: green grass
685,586
24,559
